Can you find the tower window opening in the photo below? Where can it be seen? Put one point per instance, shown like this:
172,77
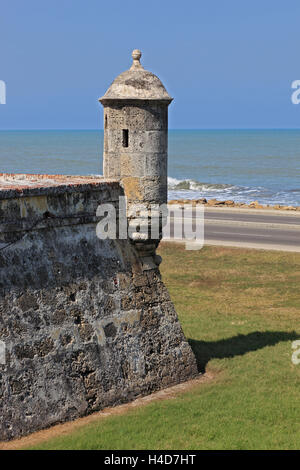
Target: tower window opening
125,139
105,124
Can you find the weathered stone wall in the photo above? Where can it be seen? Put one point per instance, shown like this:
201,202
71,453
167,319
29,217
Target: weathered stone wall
84,325
142,166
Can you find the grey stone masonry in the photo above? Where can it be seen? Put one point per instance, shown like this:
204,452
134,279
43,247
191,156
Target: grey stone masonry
136,137
84,325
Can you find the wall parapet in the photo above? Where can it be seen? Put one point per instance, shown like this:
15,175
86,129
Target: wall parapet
13,185
40,201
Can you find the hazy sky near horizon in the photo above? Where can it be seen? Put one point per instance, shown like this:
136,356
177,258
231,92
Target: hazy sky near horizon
228,64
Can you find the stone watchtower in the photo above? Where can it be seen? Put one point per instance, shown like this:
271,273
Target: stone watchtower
136,140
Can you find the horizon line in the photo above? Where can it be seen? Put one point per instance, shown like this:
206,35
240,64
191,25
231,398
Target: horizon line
170,129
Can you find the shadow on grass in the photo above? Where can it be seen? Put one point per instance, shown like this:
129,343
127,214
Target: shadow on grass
237,345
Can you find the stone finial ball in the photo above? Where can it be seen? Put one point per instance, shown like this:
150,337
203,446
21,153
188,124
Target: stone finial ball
136,54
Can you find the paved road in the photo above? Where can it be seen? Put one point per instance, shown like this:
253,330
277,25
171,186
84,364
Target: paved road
251,228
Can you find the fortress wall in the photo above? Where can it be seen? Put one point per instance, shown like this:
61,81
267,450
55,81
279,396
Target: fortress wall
84,325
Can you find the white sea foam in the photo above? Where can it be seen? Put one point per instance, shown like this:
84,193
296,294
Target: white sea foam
193,185
192,189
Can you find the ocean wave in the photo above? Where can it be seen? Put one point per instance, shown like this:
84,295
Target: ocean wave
194,185
192,189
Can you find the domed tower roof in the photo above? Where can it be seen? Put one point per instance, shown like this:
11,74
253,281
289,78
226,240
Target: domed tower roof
136,84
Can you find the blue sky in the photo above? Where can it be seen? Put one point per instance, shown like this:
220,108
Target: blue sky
228,64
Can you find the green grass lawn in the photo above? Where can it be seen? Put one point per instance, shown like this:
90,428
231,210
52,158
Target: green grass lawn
240,310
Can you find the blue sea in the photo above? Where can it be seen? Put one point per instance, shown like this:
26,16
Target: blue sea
243,165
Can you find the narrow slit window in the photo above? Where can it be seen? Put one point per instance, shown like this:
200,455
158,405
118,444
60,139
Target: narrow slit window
125,138
105,124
